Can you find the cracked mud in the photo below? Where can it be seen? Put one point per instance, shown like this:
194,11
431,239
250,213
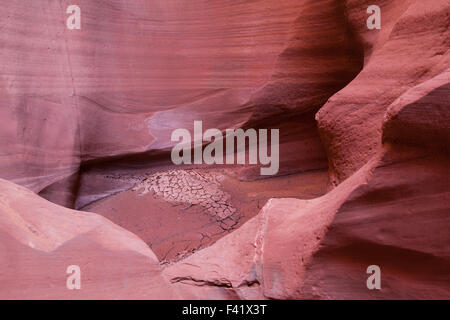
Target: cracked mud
193,188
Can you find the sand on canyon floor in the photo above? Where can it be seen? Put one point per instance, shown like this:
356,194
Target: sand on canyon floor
177,212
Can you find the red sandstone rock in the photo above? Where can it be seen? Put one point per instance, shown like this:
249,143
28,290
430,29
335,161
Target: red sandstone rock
410,48
78,95
90,112
267,256
40,240
399,220
108,96
392,213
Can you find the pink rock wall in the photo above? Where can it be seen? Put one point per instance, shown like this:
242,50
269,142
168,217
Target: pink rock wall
78,107
74,95
40,240
410,49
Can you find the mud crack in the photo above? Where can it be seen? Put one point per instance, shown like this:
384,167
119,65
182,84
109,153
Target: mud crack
192,188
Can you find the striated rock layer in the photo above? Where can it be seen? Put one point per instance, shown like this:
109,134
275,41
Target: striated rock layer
114,87
393,212
40,240
400,218
411,47
88,113
390,155
117,88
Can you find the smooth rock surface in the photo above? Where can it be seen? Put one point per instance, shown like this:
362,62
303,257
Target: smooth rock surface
40,240
411,47
89,113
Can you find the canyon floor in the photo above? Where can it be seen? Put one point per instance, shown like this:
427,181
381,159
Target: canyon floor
196,207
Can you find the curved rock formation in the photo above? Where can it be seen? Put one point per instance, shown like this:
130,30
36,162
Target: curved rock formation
264,258
40,240
399,219
393,213
252,64
79,95
410,48
89,113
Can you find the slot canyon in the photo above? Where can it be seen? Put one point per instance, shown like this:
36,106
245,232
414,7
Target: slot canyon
87,179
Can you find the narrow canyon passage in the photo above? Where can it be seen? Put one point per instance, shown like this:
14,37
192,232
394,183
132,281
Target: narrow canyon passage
285,95
348,99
